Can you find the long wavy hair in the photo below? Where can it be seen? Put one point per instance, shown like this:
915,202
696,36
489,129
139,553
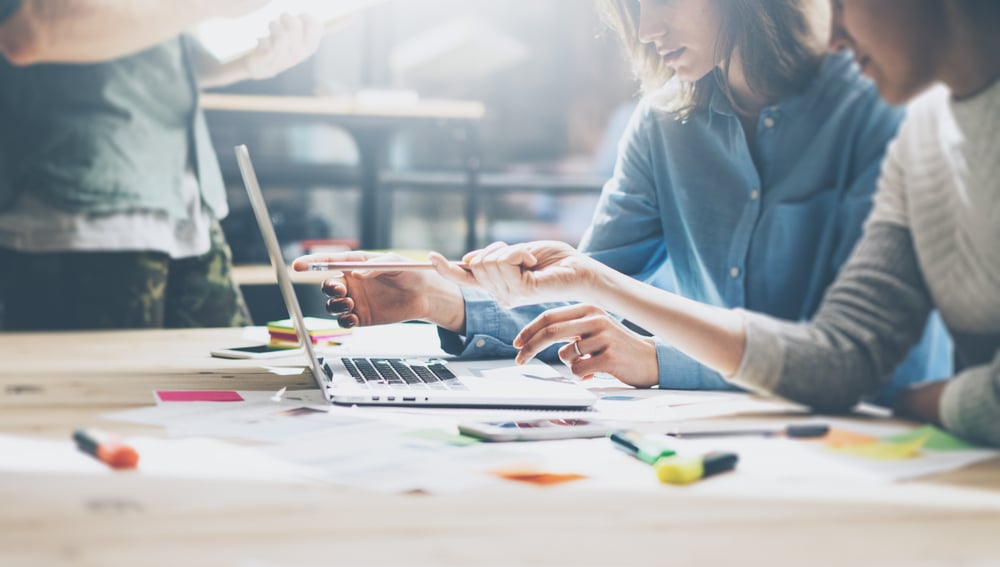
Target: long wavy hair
780,44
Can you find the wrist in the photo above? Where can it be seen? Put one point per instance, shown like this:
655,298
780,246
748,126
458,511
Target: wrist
445,307
651,364
921,402
596,281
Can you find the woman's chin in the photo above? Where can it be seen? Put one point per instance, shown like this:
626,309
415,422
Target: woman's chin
684,74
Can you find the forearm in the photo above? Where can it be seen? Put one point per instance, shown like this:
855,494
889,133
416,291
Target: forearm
446,308
488,330
710,335
90,31
869,319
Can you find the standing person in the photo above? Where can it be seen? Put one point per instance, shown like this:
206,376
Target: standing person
743,180
931,242
111,194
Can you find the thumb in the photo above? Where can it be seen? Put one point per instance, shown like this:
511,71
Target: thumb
451,271
522,257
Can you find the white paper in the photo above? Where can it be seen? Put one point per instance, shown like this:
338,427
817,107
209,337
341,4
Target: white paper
227,39
175,458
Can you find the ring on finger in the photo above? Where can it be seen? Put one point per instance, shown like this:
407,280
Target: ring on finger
576,347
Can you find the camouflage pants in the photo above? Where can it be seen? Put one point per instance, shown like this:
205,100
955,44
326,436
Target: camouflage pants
120,290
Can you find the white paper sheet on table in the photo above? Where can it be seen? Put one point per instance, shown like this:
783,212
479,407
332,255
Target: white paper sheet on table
373,448
175,458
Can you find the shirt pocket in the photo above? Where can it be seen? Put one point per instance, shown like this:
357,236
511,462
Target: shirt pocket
792,254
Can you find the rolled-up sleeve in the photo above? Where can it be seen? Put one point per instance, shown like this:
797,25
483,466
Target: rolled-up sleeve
681,372
490,329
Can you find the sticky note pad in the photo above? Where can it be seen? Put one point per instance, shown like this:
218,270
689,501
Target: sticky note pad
841,438
886,451
937,440
321,331
198,396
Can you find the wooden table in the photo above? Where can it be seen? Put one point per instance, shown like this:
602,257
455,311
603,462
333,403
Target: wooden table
51,383
371,124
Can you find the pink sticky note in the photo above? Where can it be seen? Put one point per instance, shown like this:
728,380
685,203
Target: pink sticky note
199,396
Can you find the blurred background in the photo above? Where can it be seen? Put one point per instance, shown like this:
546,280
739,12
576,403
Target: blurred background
555,91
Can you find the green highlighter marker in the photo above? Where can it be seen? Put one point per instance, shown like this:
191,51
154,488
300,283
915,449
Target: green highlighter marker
671,468
640,446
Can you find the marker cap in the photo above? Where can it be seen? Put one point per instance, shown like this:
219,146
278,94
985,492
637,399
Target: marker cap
684,470
679,470
118,456
106,449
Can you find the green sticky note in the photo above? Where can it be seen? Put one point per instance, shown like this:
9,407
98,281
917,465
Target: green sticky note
937,440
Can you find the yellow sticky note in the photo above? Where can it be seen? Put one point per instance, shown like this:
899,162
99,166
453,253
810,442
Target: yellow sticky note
842,438
885,451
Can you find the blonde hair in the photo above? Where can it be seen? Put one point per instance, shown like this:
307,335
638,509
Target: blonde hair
780,43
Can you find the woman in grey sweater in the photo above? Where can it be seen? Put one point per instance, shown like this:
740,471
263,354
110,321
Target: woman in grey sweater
931,241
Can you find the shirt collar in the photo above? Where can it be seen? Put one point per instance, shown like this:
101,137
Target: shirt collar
831,66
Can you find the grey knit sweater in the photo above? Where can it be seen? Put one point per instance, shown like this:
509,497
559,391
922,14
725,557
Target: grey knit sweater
933,240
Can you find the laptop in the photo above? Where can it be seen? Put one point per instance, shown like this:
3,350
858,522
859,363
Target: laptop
361,379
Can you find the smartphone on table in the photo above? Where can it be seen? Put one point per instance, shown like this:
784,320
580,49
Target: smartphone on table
536,429
255,351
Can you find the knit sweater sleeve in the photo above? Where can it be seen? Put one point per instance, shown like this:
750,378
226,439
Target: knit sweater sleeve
867,322
869,319
970,406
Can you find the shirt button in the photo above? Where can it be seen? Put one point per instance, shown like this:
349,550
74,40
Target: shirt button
480,343
754,195
769,122
734,271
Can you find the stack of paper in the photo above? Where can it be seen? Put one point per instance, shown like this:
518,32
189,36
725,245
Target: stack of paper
322,332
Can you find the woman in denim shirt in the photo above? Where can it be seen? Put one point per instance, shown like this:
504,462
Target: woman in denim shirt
743,180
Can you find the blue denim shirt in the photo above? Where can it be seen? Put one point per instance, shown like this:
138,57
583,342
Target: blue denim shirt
690,210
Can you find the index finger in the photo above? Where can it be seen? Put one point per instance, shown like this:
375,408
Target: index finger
553,326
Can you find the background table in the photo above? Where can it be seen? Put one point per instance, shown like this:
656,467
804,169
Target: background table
371,124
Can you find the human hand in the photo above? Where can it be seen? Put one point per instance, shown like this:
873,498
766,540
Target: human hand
598,343
921,402
292,40
365,298
523,274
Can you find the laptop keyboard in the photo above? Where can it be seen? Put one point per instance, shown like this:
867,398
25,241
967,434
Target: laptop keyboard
400,374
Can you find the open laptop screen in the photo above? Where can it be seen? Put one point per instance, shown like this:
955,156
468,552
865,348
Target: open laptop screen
278,263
